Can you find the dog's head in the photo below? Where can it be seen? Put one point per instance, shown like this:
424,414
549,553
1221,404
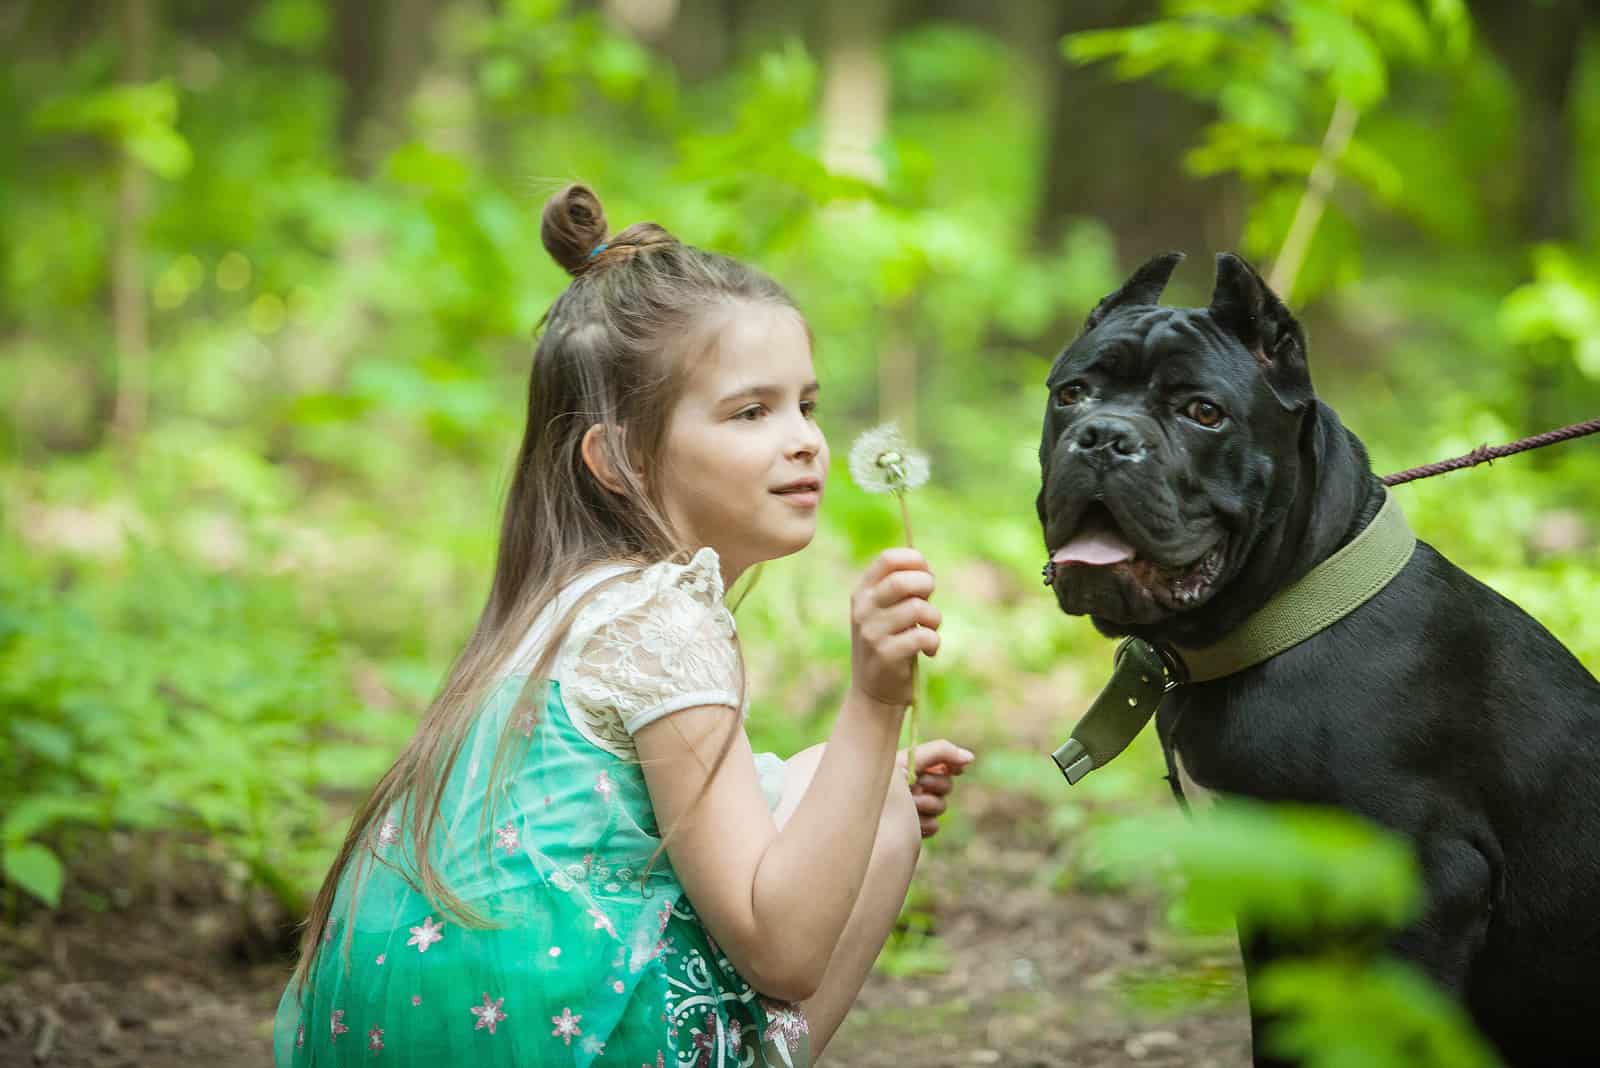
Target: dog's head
1163,433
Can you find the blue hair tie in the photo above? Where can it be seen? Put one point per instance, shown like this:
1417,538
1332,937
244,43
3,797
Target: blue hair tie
601,247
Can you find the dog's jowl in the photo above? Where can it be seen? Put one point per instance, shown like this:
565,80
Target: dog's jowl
1190,478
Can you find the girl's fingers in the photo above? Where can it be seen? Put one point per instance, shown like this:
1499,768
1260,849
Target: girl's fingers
942,751
930,826
933,784
930,804
899,585
913,612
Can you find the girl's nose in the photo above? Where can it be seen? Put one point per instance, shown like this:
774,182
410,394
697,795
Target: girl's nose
807,441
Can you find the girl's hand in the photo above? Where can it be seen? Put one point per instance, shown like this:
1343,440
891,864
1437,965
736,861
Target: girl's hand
891,622
938,763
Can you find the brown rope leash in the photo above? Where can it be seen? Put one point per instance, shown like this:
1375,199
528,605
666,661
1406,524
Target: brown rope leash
1485,454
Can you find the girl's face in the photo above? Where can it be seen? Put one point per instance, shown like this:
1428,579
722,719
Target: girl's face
744,460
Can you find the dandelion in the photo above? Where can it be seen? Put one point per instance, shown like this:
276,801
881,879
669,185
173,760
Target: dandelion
882,462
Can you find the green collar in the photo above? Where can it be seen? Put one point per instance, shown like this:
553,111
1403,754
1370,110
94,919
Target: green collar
1326,594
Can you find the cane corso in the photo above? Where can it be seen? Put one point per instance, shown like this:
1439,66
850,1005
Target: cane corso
1189,474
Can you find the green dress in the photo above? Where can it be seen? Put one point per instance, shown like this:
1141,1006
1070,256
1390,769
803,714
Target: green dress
587,960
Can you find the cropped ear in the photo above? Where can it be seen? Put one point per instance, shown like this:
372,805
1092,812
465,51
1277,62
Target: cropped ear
1144,286
1242,305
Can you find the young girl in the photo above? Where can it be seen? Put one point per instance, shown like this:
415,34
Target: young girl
578,860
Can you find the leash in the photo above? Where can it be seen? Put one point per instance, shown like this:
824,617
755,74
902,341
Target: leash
1484,454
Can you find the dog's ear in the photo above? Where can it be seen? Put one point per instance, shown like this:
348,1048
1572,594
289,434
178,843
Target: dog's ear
1144,286
1243,305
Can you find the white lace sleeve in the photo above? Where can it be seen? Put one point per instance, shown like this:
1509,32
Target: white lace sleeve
655,644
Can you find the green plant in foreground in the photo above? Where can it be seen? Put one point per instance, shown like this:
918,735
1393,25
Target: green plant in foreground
1300,874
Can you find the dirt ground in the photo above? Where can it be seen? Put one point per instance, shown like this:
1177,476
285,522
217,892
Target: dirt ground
1018,973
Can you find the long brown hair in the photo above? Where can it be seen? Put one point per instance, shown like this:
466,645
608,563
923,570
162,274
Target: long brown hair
610,352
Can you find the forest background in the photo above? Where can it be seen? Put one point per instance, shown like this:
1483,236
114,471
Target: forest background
269,272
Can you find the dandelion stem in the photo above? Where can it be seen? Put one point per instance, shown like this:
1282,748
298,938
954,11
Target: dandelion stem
916,674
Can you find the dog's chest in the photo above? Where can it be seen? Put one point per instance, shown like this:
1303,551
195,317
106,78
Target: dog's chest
1197,797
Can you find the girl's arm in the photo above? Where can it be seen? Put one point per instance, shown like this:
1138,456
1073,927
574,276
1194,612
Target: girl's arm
777,901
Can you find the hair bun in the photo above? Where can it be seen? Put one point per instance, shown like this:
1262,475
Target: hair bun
572,227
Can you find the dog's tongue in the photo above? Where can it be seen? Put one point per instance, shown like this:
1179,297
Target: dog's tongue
1097,547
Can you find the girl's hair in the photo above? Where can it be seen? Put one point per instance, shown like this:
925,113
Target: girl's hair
612,351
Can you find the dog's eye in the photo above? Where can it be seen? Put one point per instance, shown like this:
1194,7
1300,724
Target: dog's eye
1204,412
1072,393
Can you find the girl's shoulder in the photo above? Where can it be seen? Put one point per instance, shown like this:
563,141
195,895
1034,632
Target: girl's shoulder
661,594
652,642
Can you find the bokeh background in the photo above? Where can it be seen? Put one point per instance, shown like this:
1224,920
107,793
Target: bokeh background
269,270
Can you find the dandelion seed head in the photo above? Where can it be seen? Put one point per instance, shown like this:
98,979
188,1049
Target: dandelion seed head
882,462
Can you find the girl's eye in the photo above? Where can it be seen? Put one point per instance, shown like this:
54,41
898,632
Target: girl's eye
808,409
750,414
1072,393
1205,413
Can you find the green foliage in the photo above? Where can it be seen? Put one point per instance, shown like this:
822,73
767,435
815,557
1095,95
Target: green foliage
1562,302
1275,70
1298,874
1351,1014
1284,868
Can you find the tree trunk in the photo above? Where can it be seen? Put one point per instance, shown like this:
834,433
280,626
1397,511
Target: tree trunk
380,49
855,86
129,314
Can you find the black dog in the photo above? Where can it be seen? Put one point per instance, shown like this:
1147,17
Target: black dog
1189,474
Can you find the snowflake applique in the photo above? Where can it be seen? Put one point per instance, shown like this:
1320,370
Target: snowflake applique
603,785
526,722
591,1045
389,833
381,958
300,1037
507,838
416,999
566,1027
735,1033
490,1013
426,935
786,1022
327,931
337,1024
375,1039
602,922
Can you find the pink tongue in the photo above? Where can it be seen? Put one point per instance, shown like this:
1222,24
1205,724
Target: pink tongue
1096,547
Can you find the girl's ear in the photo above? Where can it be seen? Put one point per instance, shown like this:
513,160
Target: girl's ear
593,449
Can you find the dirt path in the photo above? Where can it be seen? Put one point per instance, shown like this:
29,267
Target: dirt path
1017,974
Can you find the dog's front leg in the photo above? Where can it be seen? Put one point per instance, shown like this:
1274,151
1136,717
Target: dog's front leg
1458,881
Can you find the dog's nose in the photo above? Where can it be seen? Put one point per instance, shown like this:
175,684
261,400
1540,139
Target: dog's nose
1111,438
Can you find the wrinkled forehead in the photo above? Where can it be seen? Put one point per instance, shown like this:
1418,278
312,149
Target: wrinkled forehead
1155,344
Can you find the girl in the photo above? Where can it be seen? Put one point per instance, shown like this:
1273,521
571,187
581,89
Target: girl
502,897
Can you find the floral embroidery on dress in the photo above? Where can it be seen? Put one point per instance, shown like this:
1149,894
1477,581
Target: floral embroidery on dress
337,1026
300,1036
389,833
506,838
602,922
489,1013
566,1026
426,935
375,1039
786,1022
592,1046
602,785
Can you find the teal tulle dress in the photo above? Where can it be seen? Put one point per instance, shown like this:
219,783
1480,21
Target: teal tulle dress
588,961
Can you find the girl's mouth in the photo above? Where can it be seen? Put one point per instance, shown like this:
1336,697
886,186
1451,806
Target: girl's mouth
802,492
